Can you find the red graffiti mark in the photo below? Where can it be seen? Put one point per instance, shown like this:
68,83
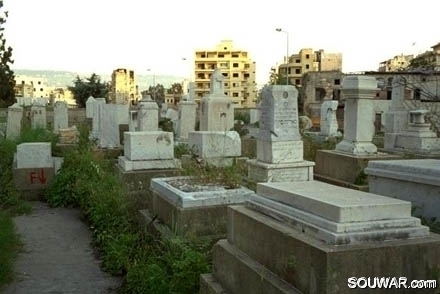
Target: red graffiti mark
41,177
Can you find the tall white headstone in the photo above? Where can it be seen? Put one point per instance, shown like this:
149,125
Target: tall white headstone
279,139
396,119
112,115
148,115
13,127
61,117
96,124
89,106
217,110
359,92
38,115
187,115
329,123
279,144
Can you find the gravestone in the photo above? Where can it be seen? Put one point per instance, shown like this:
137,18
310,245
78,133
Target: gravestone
38,115
96,124
187,115
89,106
279,144
13,127
61,116
34,168
133,122
217,110
359,92
396,119
148,115
111,116
345,165
418,138
329,123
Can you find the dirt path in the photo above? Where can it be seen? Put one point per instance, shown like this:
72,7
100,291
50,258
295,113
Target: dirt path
57,256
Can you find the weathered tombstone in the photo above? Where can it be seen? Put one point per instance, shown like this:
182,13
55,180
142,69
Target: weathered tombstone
133,123
15,115
217,110
148,115
359,117
187,115
111,116
61,116
34,168
396,119
89,106
38,115
345,165
329,123
96,124
279,144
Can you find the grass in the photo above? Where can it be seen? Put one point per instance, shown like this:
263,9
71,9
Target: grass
9,246
148,263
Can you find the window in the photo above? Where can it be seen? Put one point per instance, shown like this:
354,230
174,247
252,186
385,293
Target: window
203,55
307,56
297,61
226,93
235,94
225,74
221,55
41,89
307,66
337,81
246,75
226,84
39,82
200,76
235,65
298,71
297,82
234,55
417,94
235,75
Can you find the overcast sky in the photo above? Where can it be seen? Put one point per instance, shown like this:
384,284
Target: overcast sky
98,36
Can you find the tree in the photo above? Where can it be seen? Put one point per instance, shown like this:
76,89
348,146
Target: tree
7,79
175,88
157,93
92,86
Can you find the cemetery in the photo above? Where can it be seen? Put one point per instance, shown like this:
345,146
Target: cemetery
187,211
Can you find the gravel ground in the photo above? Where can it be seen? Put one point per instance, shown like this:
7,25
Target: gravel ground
57,256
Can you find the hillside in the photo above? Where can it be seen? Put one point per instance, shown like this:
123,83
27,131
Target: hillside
66,78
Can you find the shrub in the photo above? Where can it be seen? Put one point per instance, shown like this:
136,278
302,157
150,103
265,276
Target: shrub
9,245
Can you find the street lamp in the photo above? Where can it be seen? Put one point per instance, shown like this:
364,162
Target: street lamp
287,52
154,76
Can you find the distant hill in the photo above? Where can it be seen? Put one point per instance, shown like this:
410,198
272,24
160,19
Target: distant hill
66,78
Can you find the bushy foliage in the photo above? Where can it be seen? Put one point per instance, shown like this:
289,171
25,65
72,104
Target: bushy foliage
7,79
92,86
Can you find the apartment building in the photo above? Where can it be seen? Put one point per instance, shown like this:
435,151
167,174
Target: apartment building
429,60
397,63
32,87
123,88
235,65
308,60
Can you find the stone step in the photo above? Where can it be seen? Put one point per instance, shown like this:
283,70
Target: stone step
208,285
239,273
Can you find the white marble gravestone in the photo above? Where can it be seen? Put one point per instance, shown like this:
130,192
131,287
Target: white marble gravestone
89,106
217,110
329,123
96,124
279,144
61,117
359,92
13,127
38,115
111,116
187,115
148,115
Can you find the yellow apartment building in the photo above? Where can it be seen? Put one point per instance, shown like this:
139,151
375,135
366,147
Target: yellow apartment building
397,63
33,87
235,65
123,88
308,60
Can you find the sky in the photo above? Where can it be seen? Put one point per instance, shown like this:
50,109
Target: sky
160,37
